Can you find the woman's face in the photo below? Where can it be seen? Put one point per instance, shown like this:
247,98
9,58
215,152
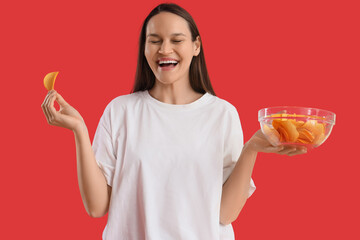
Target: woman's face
169,48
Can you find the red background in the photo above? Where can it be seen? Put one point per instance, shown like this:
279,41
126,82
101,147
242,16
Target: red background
259,54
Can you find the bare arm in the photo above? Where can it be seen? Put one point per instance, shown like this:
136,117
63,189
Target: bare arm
94,190
236,188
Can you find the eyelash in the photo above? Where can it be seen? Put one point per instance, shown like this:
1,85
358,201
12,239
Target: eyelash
175,41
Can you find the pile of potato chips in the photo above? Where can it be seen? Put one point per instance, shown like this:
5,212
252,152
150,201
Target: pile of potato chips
286,129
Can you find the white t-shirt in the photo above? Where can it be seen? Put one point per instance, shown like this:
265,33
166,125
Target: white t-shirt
166,164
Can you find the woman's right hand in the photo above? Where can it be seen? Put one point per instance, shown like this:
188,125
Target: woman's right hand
66,117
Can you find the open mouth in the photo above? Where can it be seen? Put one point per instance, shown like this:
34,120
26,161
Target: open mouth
169,63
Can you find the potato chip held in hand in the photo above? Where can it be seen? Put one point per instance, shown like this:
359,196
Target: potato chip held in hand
49,80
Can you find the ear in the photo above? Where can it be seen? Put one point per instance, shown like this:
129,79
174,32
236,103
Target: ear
197,45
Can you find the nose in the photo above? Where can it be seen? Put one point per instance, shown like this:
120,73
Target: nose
165,48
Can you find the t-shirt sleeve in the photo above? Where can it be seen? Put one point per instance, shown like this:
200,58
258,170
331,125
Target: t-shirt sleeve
233,145
103,146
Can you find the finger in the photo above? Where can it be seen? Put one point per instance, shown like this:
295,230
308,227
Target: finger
45,113
44,106
274,149
50,106
287,150
298,151
45,98
61,100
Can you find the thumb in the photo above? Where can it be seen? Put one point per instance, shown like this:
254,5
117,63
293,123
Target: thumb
61,100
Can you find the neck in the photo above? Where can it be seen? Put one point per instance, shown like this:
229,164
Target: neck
174,93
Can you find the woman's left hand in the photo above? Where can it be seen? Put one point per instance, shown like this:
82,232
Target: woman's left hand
259,143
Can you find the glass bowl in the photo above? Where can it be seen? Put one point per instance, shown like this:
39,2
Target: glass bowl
309,127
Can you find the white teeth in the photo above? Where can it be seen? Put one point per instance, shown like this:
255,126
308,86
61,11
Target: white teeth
167,62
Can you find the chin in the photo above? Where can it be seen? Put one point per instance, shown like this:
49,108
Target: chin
164,80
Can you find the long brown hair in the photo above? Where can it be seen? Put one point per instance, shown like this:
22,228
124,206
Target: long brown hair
198,74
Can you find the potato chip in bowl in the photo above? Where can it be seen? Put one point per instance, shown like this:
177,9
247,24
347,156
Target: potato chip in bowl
304,126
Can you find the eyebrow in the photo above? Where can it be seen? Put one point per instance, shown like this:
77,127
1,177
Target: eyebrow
174,34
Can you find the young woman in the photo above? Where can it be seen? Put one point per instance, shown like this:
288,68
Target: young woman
168,160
